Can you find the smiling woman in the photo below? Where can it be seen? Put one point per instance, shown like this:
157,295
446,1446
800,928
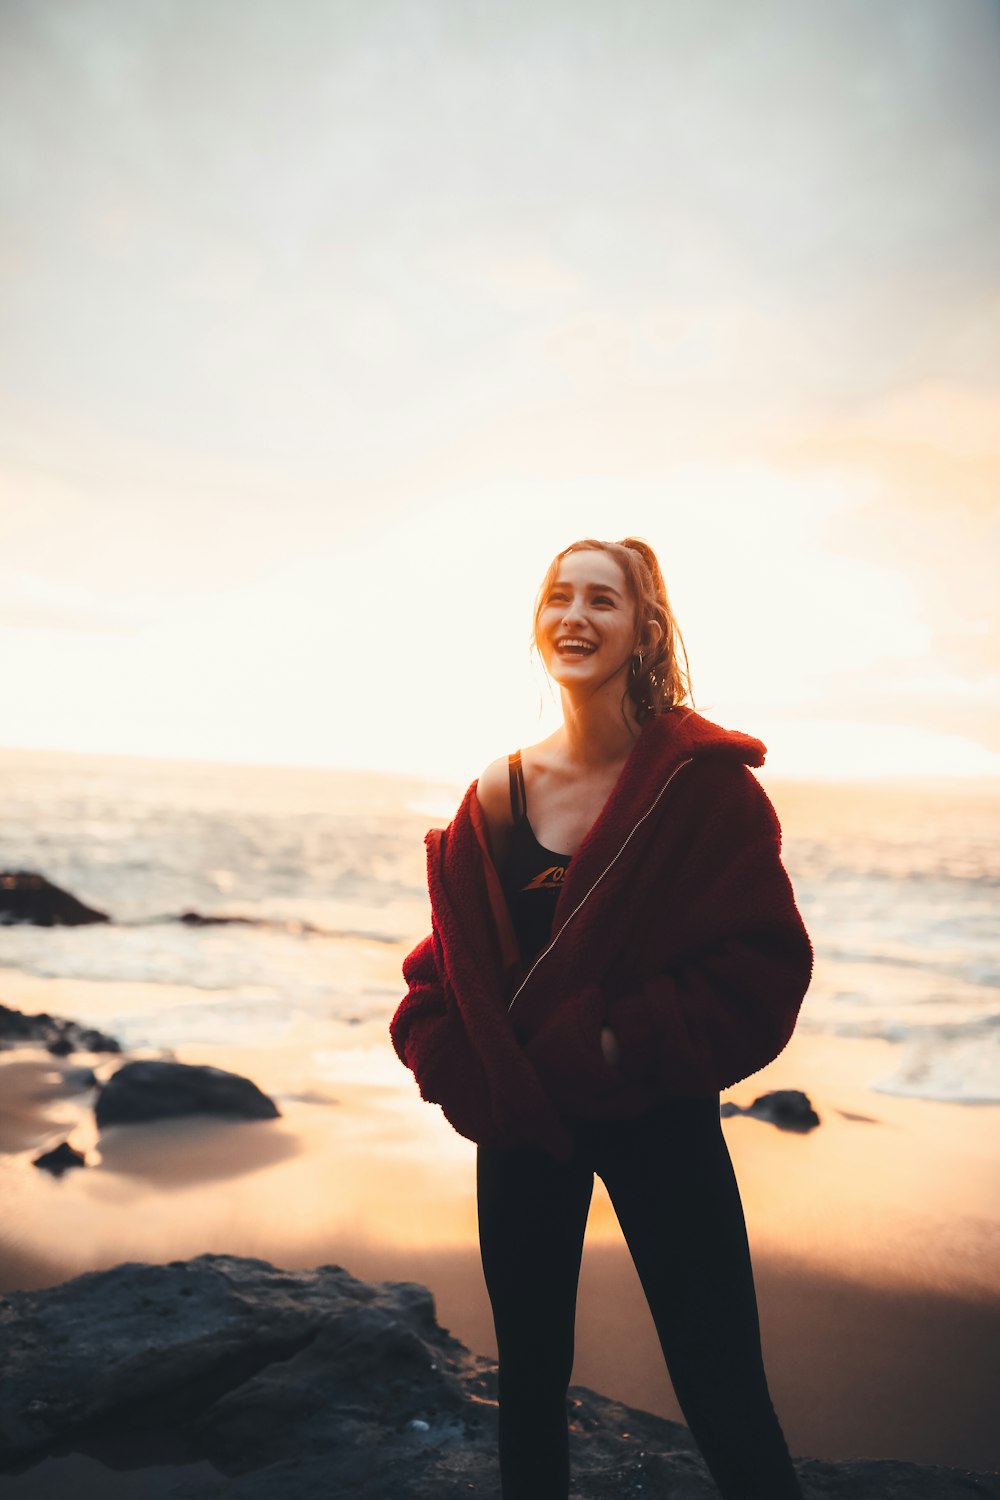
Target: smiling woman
637,619
608,952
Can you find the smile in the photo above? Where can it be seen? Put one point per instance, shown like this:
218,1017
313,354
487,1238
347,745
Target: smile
574,645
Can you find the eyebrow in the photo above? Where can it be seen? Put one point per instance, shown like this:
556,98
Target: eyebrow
600,588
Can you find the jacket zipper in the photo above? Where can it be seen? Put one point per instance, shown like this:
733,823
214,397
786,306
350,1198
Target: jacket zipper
552,941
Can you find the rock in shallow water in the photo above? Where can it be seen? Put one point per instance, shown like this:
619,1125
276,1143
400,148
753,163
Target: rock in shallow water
154,1090
58,1035
28,897
789,1109
314,1384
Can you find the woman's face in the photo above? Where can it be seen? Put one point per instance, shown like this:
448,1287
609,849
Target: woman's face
586,625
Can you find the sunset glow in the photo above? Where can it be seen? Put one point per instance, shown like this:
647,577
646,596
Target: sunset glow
321,340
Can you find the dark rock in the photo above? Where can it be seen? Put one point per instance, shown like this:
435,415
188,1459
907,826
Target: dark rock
55,1033
789,1109
154,1090
62,1156
310,1384
195,919
87,1039
292,925
79,1078
16,1026
27,897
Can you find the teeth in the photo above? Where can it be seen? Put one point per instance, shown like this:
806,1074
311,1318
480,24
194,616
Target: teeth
573,641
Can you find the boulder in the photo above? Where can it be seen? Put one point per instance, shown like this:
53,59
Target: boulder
310,1384
27,897
153,1090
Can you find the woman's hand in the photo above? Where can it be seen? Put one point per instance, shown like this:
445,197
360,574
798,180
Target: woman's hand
610,1048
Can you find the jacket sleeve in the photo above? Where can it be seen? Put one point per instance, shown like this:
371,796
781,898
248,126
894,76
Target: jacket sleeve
423,1020
726,1002
429,1037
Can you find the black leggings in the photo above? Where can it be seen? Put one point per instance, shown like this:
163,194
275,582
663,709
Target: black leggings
670,1178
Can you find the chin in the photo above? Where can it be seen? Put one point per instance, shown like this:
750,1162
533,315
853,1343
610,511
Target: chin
569,676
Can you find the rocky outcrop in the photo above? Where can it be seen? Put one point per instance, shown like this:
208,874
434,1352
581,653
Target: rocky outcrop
27,897
154,1090
308,1384
58,1035
789,1109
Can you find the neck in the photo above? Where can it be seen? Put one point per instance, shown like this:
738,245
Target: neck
599,728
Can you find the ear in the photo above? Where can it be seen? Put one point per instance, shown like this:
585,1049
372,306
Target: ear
650,636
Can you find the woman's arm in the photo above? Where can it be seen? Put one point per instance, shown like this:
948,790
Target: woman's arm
424,1004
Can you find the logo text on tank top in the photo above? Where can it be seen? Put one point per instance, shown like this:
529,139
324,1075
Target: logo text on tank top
546,880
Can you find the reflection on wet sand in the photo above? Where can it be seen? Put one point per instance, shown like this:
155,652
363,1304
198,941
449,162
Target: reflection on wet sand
875,1236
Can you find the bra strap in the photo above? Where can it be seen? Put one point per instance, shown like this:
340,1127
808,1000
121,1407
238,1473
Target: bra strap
518,802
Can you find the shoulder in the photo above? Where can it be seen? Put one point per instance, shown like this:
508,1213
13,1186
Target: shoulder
493,794
493,791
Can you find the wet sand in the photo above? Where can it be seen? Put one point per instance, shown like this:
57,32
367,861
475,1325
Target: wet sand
875,1237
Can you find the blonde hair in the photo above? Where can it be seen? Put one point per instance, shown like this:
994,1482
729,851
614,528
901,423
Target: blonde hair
656,682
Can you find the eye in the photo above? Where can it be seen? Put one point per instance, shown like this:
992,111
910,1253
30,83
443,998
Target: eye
556,598
603,599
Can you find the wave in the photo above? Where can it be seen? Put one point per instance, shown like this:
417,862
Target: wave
963,1075
955,1062
968,968
811,867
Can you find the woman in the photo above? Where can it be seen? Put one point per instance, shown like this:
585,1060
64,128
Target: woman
614,941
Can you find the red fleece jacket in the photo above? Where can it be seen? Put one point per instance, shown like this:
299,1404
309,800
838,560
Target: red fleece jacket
676,926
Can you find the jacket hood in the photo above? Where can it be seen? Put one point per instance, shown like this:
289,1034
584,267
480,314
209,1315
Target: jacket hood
691,733
662,744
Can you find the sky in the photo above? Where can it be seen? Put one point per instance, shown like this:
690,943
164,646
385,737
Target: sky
323,326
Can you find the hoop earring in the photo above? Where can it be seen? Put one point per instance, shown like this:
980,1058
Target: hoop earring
637,664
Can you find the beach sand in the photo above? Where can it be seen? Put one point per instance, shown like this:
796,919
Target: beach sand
875,1237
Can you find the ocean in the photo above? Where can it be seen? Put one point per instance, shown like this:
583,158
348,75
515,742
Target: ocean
897,883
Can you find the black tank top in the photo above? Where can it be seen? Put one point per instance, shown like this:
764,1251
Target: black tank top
533,877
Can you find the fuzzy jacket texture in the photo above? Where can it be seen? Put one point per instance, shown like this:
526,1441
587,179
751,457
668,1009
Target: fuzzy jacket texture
676,926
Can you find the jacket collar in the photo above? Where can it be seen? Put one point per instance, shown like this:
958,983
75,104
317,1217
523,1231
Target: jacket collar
463,878
662,744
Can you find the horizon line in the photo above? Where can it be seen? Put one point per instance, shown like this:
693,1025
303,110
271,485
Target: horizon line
880,778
